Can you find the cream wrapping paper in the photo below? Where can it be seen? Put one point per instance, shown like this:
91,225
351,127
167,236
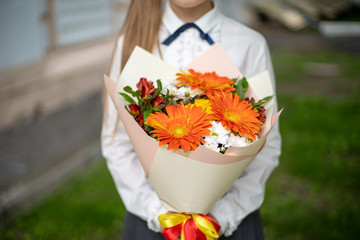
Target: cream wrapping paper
188,182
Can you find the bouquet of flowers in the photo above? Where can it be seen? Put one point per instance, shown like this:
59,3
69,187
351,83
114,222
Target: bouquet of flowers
197,108
194,133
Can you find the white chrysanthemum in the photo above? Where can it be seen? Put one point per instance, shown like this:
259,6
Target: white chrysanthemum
167,85
172,90
238,141
179,93
220,132
211,140
218,135
196,92
183,93
213,147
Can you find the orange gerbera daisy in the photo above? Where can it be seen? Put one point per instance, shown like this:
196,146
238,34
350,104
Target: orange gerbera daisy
182,127
235,114
208,82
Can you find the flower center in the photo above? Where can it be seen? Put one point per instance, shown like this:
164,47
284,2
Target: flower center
233,117
178,131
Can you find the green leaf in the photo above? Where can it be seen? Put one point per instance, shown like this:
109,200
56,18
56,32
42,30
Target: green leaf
156,109
244,83
133,93
148,109
126,107
137,93
146,113
242,87
159,84
166,99
262,101
158,89
147,128
240,91
128,89
127,98
266,99
235,81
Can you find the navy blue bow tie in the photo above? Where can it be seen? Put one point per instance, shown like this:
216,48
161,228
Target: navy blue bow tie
172,37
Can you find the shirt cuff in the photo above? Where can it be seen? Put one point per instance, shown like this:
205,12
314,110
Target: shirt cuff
223,216
153,221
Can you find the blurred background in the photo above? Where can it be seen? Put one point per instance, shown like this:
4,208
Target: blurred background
54,184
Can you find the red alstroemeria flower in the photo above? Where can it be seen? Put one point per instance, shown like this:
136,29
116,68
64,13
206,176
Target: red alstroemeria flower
157,101
134,110
140,121
262,116
146,87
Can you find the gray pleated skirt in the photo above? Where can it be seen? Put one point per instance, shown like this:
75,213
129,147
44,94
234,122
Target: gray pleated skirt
136,229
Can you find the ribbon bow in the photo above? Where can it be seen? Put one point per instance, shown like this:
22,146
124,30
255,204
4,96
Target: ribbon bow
181,29
189,226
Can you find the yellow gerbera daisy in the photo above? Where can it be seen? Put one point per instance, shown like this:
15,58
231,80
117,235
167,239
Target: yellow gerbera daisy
182,127
234,114
204,103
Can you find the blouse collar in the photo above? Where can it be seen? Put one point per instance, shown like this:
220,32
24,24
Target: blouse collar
172,22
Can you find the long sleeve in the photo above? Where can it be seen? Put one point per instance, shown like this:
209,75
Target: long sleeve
129,177
247,193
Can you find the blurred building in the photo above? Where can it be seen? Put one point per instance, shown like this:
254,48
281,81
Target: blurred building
53,54
329,17
236,9
44,44
30,28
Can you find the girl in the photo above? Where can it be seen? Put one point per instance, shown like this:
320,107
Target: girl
161,30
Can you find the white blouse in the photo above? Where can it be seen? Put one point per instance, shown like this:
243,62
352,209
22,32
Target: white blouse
249,51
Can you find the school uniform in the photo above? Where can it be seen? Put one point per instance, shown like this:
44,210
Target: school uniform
237,211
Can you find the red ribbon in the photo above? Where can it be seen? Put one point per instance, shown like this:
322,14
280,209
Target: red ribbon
191,230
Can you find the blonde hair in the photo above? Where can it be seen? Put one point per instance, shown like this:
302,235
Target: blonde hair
141,28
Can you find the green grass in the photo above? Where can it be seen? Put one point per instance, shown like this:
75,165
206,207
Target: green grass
321,140
86,206
313,194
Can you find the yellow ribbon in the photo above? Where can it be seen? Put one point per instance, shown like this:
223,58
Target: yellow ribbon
169,220
205,226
